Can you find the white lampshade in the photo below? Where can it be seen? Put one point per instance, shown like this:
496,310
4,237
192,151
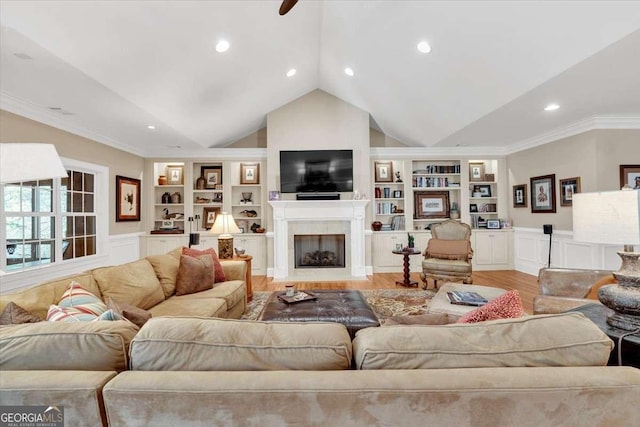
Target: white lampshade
28,162
224,225
610,217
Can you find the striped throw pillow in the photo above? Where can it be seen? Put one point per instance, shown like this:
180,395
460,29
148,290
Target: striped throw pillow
82,300
68,314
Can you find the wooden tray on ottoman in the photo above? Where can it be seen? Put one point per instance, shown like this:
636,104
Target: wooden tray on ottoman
298,297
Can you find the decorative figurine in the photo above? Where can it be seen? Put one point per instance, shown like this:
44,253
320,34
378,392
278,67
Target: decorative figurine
398,176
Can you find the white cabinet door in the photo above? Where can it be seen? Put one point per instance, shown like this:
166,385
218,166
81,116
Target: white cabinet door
383,245
255,246
159,245
492,249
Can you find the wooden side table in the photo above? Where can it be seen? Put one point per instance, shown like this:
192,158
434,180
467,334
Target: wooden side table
247,279
407,282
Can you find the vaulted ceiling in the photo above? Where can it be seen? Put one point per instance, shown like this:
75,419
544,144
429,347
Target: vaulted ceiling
107,70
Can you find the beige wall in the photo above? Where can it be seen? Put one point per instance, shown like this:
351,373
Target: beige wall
379,139
594,156
319,121
257,139
14,128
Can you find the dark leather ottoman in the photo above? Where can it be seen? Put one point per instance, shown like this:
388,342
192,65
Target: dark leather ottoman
346,307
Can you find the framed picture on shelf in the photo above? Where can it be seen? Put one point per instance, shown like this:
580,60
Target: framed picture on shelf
166,224
493,223
127,199
209,216
543,194
212,176
630,175
383,171
274,195
431,204
568,187
175,174
249,173
483,189
476,171
520,196
473,208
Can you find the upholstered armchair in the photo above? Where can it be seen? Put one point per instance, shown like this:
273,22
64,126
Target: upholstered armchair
562,289
448,254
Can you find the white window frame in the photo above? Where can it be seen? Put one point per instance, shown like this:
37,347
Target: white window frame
59,267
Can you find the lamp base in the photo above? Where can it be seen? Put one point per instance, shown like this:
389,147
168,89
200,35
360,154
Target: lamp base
624,298
225,247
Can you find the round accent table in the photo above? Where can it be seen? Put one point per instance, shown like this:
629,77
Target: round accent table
407,282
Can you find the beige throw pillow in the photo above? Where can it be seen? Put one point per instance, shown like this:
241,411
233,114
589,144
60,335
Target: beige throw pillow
134,283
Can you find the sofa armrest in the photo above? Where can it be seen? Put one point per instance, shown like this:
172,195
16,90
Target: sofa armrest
548,304
234,270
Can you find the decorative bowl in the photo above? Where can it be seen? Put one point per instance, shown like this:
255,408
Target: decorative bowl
239,252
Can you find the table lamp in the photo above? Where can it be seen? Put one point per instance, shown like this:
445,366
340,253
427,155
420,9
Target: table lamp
29,162
613,217
224,226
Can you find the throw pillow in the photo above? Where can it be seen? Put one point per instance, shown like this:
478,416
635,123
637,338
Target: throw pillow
135,315
194,274
13,314
68,314
507,305
219,272
81,299
109,315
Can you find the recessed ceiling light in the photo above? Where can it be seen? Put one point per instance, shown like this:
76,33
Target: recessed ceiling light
349,72
292,72
424,47
551,107
222,46
151,127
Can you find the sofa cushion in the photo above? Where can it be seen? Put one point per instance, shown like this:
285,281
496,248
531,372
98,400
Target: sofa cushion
420,319
508,305
231,291
134,283
37,299
219,272
135,315
195,274
89,346
448,249
237,345
447,265
13,314
568,339
195,306
166,268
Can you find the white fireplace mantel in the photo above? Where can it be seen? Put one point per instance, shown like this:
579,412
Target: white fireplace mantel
286,211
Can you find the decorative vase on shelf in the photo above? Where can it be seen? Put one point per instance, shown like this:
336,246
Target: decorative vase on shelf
166,198
201,183
176,198
376,225
162,180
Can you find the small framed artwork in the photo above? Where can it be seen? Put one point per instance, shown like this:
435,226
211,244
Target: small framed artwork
249,173
397,194
212,176
473,207
431,204
209,216
630,175
543,194
398,247
493,223
274,195
384,171
520,196
127,199
489,177
166,224
568,187
484,190
476,171
175,174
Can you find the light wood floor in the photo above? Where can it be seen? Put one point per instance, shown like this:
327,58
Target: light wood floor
526,284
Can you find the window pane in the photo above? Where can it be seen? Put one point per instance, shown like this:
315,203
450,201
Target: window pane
77,181
12,198
46,251
45,196
15,228
88,202
88,183
63,199
78,244
79,228
64,182
91,225
47,227
67,226
91,245
28,191
77,202
67,249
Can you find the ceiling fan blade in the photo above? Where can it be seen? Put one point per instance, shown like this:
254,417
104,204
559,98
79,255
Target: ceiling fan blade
287,5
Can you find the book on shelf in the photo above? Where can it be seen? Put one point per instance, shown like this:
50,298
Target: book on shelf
466,298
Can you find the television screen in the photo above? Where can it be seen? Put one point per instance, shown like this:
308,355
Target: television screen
321,171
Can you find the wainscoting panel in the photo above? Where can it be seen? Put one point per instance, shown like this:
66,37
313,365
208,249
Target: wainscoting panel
531,246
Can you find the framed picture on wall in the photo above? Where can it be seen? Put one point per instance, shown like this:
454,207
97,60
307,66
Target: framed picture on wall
568,187
383,171
543,194
520,196
127,199
630,175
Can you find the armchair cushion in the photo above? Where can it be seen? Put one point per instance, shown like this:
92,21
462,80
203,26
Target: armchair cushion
448,249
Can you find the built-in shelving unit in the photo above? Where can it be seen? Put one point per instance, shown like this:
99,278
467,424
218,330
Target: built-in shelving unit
436,191
483,192
168,199
389,192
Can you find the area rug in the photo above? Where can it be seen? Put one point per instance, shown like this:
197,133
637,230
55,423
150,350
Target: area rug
384,302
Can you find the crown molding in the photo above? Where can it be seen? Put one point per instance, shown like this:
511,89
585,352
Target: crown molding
436,152
575,128
42,115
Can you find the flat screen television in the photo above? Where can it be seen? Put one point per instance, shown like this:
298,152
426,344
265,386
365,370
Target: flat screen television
316,171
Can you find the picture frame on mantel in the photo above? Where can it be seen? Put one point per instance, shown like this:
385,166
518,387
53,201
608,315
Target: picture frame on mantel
543,194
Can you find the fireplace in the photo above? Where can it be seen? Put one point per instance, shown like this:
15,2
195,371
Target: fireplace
319,250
